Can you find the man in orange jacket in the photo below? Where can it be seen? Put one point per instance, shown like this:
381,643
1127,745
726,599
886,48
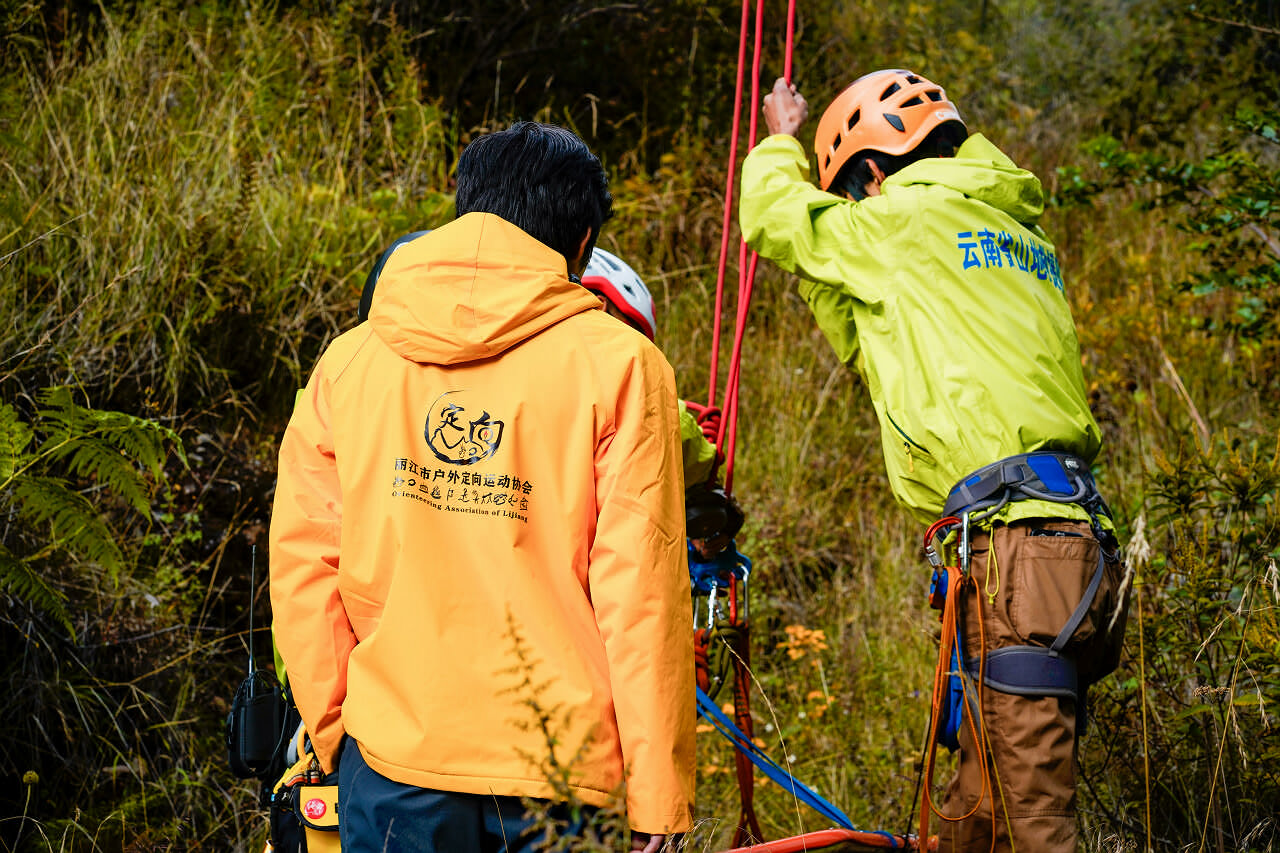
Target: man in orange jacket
479,520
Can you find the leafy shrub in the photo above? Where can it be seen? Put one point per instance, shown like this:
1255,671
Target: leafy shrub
1198,689
1205,670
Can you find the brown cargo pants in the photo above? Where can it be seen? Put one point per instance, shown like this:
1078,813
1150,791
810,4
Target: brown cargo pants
1027,587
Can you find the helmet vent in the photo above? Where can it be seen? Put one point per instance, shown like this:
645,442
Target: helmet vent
912,79
895,121
934,94
914,102
853,119
889,91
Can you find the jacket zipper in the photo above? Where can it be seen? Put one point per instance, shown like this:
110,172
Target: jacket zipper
907,444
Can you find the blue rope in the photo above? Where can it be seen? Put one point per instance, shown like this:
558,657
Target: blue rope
708,711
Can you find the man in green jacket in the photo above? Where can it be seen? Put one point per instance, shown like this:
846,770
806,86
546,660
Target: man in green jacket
925,268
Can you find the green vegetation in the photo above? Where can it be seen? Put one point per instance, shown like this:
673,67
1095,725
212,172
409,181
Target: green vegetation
119,453
193,193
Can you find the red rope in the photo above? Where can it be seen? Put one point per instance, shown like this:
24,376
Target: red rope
747,261
726,439
843,840
728,213
957,586
748,824
791,40
746,277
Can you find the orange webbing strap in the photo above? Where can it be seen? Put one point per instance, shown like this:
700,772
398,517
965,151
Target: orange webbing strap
956,584
747,820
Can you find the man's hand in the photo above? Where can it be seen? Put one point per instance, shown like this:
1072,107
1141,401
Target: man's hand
785,109
646,843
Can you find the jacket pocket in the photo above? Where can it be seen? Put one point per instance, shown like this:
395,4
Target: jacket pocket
910,447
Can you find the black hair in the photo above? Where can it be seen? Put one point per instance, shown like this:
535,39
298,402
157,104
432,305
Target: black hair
942,141
539,177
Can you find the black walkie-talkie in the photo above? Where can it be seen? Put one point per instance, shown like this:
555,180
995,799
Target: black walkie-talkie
255,726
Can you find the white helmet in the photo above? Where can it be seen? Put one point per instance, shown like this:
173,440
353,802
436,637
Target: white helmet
612,278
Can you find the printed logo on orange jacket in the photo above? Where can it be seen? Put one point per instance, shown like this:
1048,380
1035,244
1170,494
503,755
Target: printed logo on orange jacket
459,432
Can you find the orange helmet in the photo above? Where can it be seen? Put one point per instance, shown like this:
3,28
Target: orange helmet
891,111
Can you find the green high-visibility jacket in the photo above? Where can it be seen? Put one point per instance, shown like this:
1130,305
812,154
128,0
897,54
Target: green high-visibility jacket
947,297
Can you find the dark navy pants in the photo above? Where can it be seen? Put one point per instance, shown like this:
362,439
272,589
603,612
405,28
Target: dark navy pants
377,815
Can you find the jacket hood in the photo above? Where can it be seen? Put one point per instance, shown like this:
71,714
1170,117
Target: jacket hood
470,290
983,172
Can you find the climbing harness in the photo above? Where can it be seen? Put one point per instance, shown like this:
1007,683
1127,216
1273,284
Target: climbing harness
1023,670
1048,476
1044,475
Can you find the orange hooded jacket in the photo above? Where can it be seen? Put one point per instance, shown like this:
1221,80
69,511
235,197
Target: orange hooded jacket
479,517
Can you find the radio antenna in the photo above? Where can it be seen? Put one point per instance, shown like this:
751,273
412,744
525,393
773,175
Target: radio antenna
253,591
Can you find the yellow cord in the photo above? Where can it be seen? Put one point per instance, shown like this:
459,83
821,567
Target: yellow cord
996,785
993,567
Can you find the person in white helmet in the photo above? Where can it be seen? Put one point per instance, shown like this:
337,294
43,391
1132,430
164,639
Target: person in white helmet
625,297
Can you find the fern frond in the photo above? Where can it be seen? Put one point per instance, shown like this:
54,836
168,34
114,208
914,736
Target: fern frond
20,580
72,521
143,441
92,457
15,439
61,417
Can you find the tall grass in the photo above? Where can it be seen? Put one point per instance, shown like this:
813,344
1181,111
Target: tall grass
194,198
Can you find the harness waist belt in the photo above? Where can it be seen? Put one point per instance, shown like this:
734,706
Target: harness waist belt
1044,475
